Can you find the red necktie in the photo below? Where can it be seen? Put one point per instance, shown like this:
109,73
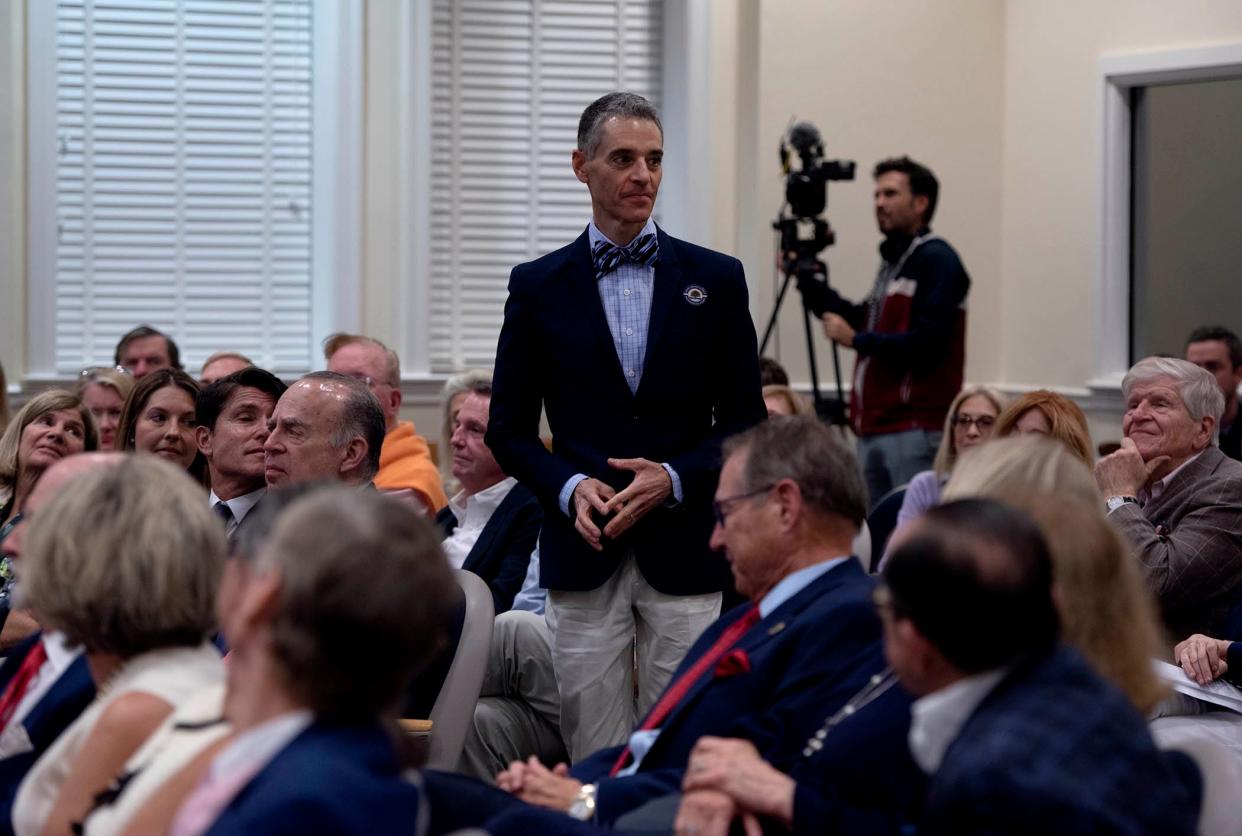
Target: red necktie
678,689
20,681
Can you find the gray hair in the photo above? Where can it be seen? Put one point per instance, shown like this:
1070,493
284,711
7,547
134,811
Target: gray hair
803,449
361,417
1198,388
591,125
478,381
357,570
1015,468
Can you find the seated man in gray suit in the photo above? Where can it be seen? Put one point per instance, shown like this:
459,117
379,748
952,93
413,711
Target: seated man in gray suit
1175,496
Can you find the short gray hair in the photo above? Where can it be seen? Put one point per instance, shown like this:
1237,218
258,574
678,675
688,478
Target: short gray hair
1198,388
803,449
591,125
478,381
361,417
357,570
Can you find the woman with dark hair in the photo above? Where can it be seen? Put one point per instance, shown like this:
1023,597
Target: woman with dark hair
159,417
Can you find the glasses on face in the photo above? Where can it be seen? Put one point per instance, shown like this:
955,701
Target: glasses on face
721,508
983,422
91,371
370,381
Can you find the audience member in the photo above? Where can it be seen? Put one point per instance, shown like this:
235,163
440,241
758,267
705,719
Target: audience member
909,333
51,426
144,349
312,753
125,563
781,400
104,391
772,372
1175,497
492,524
1046,413
405,459
641,350
1219,351
1018,734
519,710
969,423
44,682
789,503
159,418
1098,585
221,365
456,388
326,426
232,418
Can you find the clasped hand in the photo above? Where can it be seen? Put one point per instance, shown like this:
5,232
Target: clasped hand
650,487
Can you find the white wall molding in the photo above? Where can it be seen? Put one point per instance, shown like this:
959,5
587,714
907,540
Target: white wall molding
1118,75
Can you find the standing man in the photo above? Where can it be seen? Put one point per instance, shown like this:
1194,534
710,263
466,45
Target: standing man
909,333
1219,351
641,349
232,428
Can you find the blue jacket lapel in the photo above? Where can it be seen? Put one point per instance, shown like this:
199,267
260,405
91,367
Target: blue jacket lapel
667,287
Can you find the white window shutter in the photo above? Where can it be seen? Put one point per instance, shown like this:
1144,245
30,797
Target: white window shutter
510,80
183,177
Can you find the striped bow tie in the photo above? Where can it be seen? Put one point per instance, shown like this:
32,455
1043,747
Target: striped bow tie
643,250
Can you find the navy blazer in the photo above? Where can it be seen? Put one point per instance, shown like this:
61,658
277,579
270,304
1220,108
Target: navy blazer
807,658
1056,749
329,779
68,697
700,384
501,555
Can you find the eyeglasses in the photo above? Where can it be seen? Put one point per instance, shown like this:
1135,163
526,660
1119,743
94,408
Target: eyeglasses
983,422
721,508
91,371
370,381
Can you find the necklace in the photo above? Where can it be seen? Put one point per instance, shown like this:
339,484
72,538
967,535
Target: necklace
875,686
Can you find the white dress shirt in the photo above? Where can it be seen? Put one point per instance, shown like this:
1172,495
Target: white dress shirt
936,719
472,513
239,505
59,657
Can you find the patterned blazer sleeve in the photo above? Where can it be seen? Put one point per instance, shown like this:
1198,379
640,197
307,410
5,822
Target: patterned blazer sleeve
1192,556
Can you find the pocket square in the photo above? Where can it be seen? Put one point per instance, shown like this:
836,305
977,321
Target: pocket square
732,663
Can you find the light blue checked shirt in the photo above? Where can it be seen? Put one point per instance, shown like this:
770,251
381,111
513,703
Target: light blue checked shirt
626,295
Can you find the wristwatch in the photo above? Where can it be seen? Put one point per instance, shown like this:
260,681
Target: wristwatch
1115,502
583,806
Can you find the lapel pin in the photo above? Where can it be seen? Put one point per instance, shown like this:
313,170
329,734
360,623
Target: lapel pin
776,628
695,295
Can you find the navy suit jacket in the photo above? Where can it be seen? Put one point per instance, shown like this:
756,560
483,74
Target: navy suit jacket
501,555
807,658
329,779
1055,749
68,697
700,384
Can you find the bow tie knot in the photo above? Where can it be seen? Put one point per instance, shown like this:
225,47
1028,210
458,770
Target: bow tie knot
643,250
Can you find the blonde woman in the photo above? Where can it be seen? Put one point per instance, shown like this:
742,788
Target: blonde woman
104,392
1106,611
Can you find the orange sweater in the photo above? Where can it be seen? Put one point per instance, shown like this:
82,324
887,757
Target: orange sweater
405,464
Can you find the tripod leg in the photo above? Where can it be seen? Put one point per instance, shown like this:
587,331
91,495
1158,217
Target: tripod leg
814,367
776,311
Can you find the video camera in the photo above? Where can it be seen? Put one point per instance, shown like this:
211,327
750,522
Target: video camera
806,233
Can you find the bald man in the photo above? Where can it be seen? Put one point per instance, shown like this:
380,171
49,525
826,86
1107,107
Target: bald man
44,685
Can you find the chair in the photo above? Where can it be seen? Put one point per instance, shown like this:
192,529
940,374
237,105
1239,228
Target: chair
1221,809
882,520
454,707
862,545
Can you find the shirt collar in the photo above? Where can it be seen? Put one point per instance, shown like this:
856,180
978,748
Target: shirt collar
1157,488
595,236
239,505
485,501
60,655
936,719
254,748
792,584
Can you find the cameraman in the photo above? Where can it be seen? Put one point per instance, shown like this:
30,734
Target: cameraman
910,332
